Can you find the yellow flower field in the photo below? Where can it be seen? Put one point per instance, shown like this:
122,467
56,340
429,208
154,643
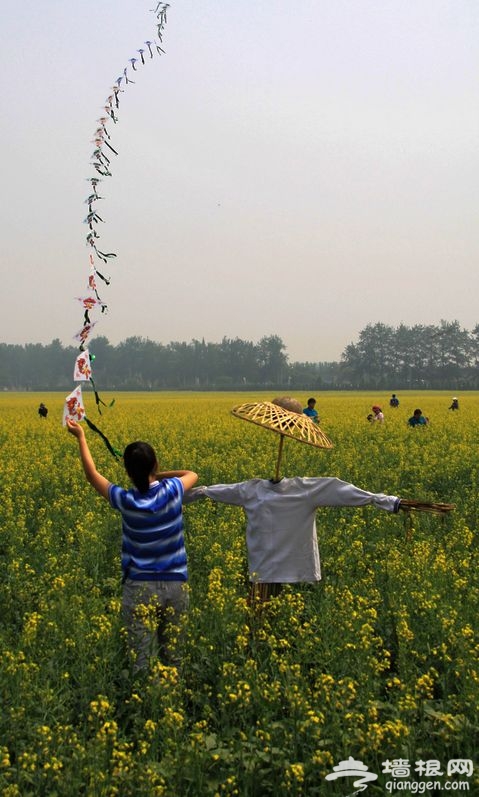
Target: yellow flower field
379,661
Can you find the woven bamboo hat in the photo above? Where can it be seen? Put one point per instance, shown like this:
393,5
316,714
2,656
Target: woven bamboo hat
284,416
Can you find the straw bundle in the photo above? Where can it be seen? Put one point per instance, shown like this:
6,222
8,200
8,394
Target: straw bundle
276,419
426,506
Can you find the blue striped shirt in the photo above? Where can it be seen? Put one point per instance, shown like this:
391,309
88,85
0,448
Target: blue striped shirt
153,545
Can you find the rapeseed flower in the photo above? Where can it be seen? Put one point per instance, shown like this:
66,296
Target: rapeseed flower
382,654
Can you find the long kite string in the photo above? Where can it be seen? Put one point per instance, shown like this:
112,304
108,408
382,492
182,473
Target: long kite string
102,157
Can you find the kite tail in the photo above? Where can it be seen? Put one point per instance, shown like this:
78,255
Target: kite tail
101,163
117,454
99,400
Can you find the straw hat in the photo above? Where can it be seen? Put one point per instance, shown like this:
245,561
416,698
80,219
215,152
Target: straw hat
285,416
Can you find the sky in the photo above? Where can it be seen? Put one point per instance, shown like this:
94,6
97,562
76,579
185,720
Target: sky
293,169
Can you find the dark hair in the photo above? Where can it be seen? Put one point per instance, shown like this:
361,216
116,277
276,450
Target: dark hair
417,412
140,462
311,400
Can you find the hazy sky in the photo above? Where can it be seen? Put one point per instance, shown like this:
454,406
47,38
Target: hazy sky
298,169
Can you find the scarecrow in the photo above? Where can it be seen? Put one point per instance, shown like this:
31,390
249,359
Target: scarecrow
281,536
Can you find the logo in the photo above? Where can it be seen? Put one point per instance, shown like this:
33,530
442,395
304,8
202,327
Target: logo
353,769
408,776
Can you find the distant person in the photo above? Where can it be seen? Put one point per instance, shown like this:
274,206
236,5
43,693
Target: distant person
42,410
418,419
310,410
378,414
394,401
455,404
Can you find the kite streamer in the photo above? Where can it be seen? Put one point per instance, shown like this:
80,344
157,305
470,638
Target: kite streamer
102,157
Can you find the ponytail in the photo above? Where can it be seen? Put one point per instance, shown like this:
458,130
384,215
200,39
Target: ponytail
140,462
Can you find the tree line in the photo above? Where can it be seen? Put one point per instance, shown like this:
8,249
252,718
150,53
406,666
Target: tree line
428,357
384,357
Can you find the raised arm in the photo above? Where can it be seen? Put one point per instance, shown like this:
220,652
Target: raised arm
188,477
95,478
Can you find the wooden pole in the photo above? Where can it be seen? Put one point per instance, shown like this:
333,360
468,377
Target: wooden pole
280,453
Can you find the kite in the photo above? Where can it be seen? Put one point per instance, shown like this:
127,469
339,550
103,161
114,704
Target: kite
101,160
82,370
74,409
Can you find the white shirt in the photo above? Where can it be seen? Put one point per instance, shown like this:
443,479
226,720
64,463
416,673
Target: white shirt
281,529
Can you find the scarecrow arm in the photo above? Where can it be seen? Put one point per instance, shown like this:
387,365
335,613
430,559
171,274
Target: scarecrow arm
334,492
224,493
194,494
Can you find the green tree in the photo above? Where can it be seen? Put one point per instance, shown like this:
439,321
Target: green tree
272,360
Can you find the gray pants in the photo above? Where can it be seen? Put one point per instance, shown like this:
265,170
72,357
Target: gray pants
151,612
